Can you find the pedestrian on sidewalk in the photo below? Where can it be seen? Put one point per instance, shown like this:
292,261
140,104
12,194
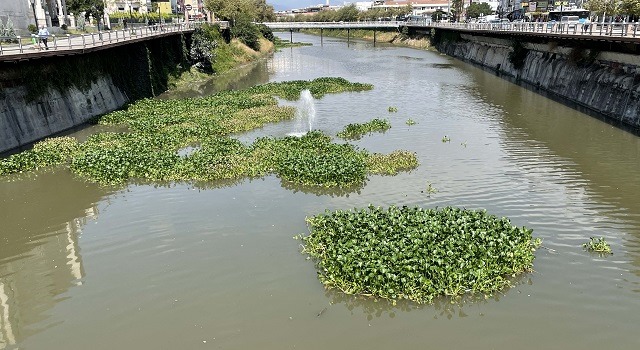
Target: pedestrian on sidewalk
43,33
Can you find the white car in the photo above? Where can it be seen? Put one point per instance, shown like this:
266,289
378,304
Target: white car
570,20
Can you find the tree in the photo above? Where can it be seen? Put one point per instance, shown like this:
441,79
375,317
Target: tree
604,7
406,10
230,10
475,10
437,15
456,8
347,13
91,8
631,7
264,12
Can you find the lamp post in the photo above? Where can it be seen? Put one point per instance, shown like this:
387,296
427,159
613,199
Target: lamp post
33,7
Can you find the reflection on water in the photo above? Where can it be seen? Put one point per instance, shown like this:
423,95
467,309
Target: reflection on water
239,78
40,257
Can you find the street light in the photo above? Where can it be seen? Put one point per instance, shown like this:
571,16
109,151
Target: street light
33,7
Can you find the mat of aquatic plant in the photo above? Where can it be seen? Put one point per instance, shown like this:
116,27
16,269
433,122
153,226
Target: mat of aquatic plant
159,132
356,130
417,254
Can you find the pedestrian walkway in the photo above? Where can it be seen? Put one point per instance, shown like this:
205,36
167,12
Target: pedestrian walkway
74,44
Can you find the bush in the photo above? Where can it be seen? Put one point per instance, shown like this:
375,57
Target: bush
32,28
203,44
247,32
267,33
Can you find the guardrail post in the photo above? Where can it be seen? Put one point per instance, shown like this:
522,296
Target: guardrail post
635,29
0,47
84,43
55,42
20,43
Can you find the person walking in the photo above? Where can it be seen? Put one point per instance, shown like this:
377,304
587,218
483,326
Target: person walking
43,33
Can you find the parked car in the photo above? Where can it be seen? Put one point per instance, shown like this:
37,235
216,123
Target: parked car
500,23
570,20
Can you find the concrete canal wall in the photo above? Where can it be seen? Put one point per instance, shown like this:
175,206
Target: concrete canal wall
45,96
587,74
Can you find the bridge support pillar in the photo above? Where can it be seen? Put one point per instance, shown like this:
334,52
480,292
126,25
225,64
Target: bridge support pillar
348,35
321,36
374,37
291,35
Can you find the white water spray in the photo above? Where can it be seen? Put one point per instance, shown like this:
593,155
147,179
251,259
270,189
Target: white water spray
305,114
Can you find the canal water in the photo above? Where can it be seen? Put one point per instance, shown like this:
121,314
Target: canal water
183,267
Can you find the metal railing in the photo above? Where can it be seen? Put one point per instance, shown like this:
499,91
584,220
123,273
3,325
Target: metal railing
334,25
582,29
579,29
32,44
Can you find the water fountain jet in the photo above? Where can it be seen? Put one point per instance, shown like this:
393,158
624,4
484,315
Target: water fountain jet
305,114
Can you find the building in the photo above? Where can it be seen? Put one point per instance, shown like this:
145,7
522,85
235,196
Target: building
141,6
192,9
363,5
420,7
51,13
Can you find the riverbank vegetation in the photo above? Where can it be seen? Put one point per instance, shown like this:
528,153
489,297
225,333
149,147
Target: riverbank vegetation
391,37
417,254
188,140
350,13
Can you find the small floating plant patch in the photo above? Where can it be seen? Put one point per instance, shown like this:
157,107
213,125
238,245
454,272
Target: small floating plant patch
598,245
417,254
356,131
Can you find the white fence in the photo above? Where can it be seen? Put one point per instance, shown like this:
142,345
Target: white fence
60,43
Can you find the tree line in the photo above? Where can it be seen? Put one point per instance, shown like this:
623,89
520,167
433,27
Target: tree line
350,13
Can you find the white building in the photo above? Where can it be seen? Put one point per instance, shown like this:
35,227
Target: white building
420,7
363,5
50,13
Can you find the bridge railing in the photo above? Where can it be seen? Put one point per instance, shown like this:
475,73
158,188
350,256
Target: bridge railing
580,29
334,25
31,44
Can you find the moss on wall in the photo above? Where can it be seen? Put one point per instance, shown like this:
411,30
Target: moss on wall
139,70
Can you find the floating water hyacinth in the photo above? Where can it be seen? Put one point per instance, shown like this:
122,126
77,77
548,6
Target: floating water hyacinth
598,245
160,130
356,131
417,254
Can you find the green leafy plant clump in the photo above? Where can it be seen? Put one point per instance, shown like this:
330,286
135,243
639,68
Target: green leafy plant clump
355,131
417,254
188,140
597,245
50,152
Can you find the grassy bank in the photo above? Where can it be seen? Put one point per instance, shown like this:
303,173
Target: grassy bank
395,38
228,57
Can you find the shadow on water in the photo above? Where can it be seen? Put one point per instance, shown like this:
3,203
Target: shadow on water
582,108
608,158
323,191
442,306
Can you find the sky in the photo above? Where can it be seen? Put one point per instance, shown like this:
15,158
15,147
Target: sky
280,5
